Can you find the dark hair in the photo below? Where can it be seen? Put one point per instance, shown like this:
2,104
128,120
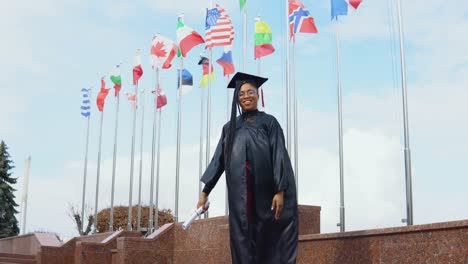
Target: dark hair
231,130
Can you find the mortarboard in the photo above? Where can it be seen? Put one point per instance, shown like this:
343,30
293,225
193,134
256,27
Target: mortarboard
240,78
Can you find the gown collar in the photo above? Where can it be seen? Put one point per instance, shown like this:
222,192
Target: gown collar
250,113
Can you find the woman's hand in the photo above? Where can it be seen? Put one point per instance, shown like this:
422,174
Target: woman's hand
277,204
202,201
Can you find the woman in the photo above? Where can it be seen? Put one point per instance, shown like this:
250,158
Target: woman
263,219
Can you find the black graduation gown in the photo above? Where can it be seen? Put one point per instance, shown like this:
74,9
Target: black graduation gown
256,237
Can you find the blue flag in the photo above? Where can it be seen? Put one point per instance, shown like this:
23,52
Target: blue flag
85,103
187,81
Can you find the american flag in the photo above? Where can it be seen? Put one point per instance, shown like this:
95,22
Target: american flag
85,103
219,28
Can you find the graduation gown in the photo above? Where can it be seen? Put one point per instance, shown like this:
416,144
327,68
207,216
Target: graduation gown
260,167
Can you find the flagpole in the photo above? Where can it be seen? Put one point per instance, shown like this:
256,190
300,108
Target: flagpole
179,117
288,90
226,199
141,158
409,192
25,195
157,168
130,192
208,111
227,99
340,129
296,145
111,217
200,154
85,169
153,150
244,62
98,172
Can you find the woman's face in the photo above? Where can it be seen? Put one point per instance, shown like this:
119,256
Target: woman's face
248,97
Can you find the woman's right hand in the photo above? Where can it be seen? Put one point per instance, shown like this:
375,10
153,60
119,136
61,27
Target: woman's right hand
202,201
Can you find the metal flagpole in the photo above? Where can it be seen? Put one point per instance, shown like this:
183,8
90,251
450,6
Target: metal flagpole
179,117
296,145
200,154
25,195
85,169
288,90
227,99
244,61
208,117
157,168
98,172
153,151
409,191
226,206
208,111
111,217
130,192
141,158
340,130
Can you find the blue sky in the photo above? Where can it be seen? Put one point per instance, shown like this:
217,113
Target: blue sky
51,49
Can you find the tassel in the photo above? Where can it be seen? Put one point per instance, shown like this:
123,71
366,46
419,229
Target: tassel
263,100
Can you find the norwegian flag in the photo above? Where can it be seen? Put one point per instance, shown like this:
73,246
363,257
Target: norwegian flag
219,28
300,19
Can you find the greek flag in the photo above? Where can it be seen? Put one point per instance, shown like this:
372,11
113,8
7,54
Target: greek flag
86,103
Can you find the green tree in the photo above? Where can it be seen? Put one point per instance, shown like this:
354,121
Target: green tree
8,222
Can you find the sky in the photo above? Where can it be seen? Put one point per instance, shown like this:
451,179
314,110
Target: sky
51,49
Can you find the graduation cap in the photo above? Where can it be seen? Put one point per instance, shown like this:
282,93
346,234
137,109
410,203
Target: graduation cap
241,78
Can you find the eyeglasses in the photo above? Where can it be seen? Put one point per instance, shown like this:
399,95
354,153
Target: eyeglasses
249,93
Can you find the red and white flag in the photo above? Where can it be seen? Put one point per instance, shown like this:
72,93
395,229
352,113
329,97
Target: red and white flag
132,99
137,70
101,97
163,50
161,99
187,37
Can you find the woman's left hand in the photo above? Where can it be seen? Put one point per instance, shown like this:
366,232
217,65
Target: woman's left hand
277,204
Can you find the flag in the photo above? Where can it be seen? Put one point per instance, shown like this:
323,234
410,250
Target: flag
263,39
219,28
101,97
116,79
187,38
161,99
242,4
300,19
132,99
344,7
162,52
85,103
137,70
187,81
226,61
204,61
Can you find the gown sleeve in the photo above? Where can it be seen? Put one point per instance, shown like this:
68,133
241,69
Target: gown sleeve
282,169
215,168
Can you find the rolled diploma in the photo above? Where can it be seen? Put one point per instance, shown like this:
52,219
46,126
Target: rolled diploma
194,216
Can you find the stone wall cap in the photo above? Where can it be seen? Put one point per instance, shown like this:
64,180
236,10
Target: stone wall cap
387,231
